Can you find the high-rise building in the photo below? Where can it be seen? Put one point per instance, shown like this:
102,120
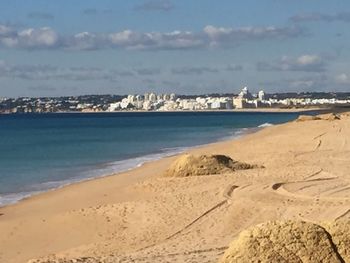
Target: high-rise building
172,96
152,97
261,95
146,96
245,94
139,98
131,99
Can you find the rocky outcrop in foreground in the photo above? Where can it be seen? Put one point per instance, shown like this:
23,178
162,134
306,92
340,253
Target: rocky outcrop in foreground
274,241
291,241
324,117
191,165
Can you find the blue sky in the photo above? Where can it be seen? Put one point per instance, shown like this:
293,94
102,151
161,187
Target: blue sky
71,47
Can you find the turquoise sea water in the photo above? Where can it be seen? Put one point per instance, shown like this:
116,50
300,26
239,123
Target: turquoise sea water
41,152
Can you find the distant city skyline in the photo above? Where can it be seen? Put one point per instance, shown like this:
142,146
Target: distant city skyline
57,48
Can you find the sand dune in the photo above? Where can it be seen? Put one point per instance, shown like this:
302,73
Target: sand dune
144,216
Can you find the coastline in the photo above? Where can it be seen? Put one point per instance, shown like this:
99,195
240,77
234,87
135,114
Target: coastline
260,110
21,196
102,169
142,160
132,214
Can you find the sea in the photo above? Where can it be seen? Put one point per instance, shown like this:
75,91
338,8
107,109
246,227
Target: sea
40,152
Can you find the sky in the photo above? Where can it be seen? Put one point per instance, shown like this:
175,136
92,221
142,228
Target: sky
78,47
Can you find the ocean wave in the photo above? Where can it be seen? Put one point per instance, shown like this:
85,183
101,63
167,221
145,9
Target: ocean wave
109,168
99,171
266,124
15,197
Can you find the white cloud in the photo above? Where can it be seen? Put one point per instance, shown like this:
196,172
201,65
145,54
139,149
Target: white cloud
83,41
125,37
210,36
154,40
5,31
308,60
229,36
43,37
307,63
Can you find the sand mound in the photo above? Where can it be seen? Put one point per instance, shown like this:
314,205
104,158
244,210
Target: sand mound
283,242
190,165
325,117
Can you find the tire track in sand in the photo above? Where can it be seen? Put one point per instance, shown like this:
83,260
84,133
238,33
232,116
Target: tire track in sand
227,194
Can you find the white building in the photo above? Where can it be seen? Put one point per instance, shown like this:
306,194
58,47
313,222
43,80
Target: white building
152,97
173,97
166,97
147,105
139,98
131,99
261,95
245,94
146,97
124,103
114,107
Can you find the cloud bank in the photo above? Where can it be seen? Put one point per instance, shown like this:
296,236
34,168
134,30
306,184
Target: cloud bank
209,37
48,72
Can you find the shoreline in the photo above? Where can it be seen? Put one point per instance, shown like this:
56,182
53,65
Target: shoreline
68,182
79,180
142,215
41,195
259,110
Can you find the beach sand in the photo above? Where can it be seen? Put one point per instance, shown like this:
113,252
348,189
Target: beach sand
302,173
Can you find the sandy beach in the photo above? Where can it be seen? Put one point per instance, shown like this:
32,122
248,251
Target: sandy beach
301,173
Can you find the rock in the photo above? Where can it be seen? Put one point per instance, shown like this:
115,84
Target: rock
289,241
325,117
190,165
329,117
307,118
340,232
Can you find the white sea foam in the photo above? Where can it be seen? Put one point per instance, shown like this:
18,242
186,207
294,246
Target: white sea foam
99,171
265,125
108,169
